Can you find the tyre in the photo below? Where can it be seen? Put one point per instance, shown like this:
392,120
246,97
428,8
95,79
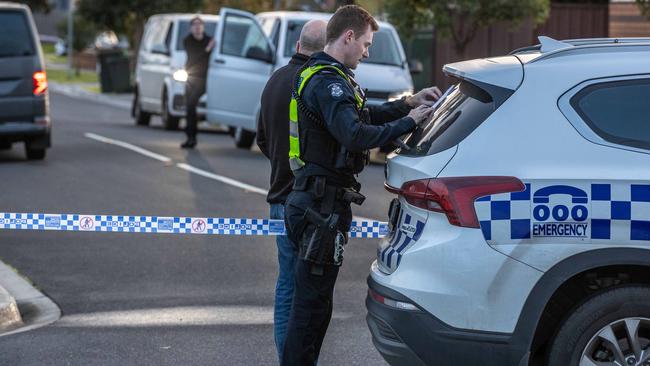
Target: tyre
141,117
170,122
35,153
243,138
611,328
5,145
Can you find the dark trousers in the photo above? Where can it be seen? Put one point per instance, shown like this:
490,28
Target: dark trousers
194,89
311,312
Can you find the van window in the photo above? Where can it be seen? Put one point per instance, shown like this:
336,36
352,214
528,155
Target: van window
293,34
241,35
15,35
384,49
617,111
464,109
156,33
184,31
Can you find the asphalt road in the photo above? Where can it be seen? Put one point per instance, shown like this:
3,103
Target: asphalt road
160,299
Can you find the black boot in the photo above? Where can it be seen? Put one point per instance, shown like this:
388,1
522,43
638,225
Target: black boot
189,144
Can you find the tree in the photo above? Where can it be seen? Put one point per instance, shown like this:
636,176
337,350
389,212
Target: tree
644,5
37,5
84,35
461,19
128,16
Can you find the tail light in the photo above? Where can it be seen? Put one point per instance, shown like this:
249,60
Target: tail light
455,196
40,82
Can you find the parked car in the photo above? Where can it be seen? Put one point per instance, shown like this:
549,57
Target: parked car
24,102
521,230
160,81
249,48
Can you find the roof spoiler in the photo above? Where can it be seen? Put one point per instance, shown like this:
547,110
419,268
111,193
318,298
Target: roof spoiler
499,76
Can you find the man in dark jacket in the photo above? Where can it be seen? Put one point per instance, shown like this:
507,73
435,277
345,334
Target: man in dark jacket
198,46
273,140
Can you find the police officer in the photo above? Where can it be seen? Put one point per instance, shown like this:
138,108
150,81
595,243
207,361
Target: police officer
273,140
198,46
331,130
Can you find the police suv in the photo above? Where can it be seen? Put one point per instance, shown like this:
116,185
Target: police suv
521,231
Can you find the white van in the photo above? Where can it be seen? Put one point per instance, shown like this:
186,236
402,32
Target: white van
160,88
249,48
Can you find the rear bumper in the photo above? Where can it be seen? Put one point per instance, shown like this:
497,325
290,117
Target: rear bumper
25,131
405,337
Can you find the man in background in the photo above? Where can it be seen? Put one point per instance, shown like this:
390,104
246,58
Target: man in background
198,46
273,140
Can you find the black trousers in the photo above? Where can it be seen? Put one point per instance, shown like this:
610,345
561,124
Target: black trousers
311,312
194,89
311,309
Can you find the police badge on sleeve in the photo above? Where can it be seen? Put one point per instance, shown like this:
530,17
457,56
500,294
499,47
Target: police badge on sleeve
336,90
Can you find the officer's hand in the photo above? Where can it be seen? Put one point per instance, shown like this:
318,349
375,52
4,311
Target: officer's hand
420,114
426,96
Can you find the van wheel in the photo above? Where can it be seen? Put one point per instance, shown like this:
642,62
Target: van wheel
141,117
244,138
35,154
170,122
612,328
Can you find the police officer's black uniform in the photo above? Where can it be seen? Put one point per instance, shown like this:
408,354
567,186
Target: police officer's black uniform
334,135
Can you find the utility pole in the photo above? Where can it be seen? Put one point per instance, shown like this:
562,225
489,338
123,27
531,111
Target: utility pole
70,36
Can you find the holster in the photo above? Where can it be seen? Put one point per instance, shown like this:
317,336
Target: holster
322,241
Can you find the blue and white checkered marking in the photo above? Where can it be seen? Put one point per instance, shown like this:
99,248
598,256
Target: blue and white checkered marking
620,213
409,231
579,212
505,215
170,225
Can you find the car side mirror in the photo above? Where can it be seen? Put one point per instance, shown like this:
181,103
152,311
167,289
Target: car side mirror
416,67
257,53
160,49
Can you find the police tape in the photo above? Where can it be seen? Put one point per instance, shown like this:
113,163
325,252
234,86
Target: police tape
167,225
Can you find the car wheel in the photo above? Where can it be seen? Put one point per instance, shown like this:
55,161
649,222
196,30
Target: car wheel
170,122
142,118
5,145
612,328
243,138
35,153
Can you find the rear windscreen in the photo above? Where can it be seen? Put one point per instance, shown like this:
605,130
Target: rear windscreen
184,31
464,109
15,35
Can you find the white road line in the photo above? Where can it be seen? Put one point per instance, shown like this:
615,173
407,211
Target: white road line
222,179
186,167
128,146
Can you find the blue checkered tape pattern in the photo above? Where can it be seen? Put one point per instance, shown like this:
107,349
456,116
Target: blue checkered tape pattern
409,231
572,212
169,225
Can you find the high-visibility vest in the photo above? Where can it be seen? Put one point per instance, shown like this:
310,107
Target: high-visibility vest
295,160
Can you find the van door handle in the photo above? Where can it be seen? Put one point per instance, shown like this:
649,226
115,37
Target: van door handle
219,61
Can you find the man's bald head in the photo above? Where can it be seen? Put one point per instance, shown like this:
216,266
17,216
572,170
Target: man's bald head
312,37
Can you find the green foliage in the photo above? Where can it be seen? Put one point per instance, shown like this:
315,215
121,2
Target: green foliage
461,19
254,6
644,5
84,32
37,5
128,16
